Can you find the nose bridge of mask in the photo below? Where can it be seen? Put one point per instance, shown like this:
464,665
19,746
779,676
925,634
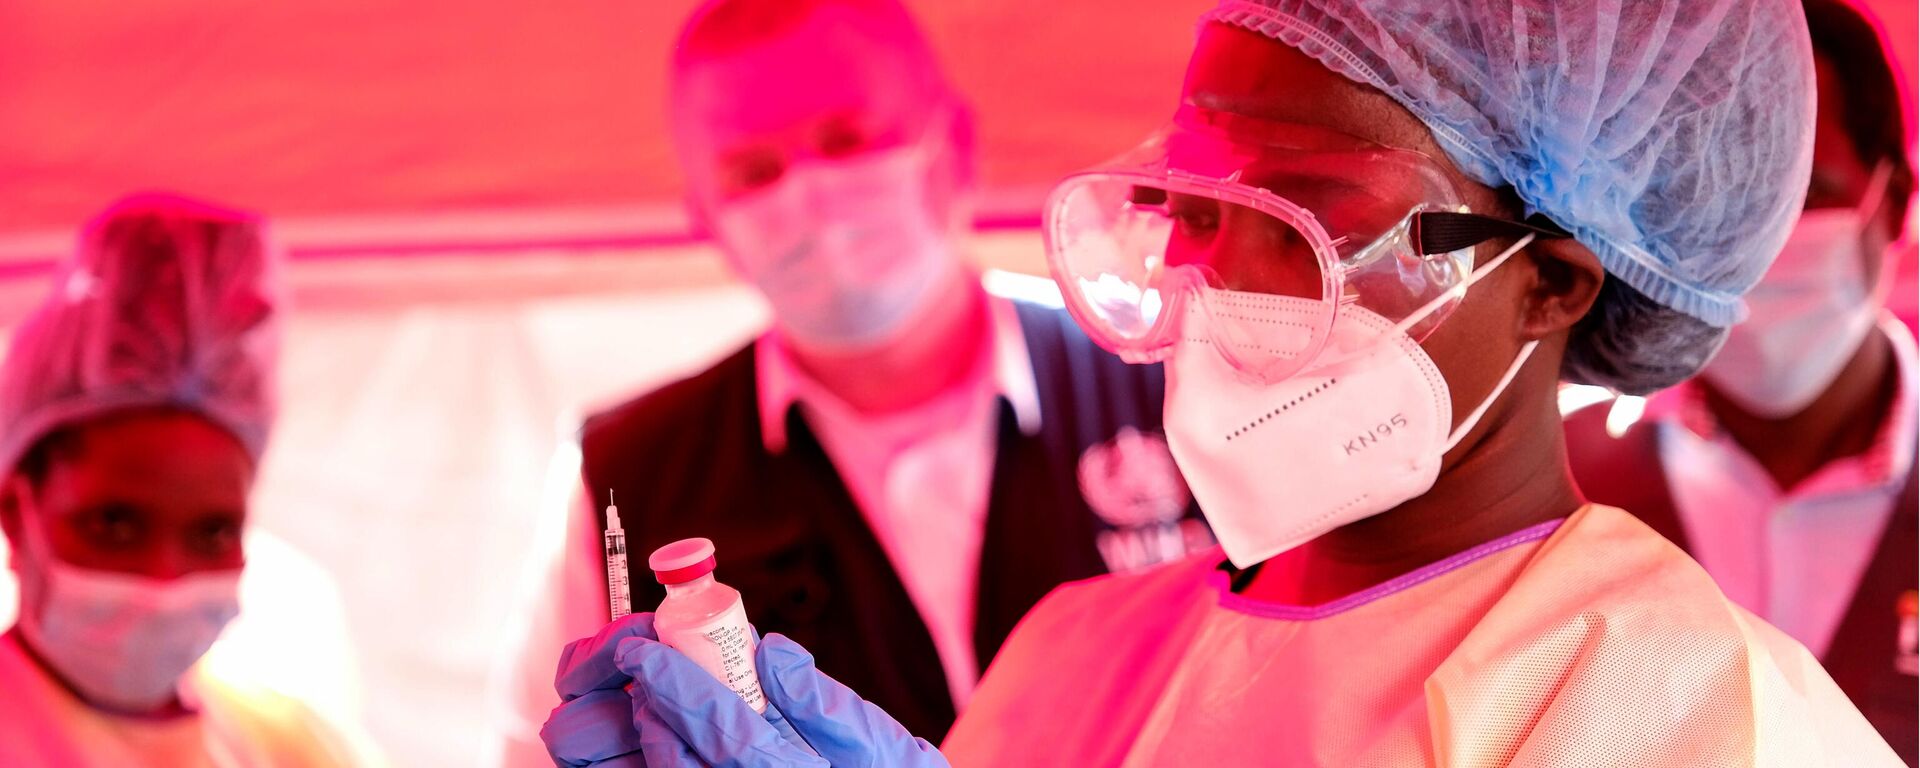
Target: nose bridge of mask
856,198
195,591
816,203
1246,326
830,183
1255,331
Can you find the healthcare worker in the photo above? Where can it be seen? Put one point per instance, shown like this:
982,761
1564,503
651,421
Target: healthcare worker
903,464
134,405
1787,468
1374,239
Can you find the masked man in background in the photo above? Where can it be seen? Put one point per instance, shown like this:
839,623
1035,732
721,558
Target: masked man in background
903,464
1787,469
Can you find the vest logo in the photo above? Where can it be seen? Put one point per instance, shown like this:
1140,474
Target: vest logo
1372,437
1132,483
1906,654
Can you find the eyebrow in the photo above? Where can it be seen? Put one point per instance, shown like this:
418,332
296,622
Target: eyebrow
221,514
1368,121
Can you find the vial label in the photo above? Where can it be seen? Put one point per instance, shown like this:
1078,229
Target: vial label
724,648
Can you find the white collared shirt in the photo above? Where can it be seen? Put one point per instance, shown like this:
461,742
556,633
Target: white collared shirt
922,476
1795,557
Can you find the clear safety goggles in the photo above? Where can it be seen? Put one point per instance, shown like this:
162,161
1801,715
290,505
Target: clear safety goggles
1252,235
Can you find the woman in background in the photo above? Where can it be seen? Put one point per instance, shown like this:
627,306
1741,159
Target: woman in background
134,405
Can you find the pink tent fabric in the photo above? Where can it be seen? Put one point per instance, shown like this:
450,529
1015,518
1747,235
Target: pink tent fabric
366,108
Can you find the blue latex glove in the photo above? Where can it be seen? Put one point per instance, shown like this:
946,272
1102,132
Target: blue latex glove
844,728
678,715
604,718
594,723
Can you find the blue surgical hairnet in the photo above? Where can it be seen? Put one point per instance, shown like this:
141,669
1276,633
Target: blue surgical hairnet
1671,137
167,303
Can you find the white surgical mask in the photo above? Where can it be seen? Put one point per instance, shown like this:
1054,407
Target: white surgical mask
122,641
845,250
1275,466
1807,316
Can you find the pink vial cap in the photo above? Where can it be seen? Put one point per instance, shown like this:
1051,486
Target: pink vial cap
682,561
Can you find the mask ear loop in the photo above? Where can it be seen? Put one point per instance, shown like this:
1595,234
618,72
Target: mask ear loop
1460,291
1876,189
31,526
1433,305
1877,194
1526,350
1466,425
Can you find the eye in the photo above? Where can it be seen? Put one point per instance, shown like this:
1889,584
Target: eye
1194,217
113,526
750,173
840,138
216,538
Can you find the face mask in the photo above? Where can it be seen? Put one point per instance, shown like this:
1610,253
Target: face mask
1806,317
123,641
847,250
1274,466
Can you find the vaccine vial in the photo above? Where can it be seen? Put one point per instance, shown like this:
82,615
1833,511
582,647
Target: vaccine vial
705,619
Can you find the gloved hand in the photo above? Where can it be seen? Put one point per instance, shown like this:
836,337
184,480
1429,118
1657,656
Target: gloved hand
678,715
844,728
604,718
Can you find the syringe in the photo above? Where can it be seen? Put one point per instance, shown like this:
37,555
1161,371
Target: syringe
619,593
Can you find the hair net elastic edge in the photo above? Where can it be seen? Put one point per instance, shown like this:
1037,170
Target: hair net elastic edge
21,436
1720,310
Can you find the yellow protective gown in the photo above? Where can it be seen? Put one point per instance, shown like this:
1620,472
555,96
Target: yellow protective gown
1588,642
43,724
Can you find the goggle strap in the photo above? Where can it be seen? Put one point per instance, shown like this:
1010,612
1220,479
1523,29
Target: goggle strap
1437,232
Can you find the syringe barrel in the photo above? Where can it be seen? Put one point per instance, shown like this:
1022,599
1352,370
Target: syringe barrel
619,593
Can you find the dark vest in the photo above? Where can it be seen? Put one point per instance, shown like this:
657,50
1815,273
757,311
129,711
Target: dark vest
689,460
1864,657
